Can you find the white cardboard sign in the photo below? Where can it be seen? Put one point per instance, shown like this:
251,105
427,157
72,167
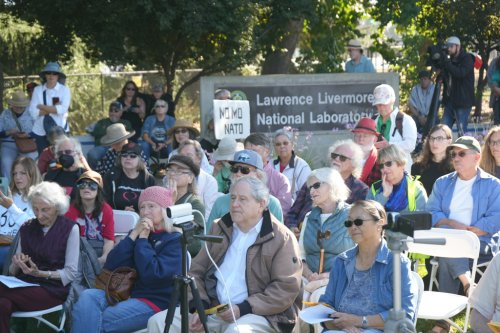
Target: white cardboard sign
231,119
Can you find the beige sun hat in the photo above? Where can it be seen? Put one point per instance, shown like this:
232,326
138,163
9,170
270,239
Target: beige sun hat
226,149
354,44
116,133
19,99
182,123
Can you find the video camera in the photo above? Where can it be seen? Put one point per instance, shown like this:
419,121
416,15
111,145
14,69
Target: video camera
408,222
437,55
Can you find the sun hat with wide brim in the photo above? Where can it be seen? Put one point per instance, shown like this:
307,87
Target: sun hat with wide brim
116,133
226,149
354,44
182,123
52,67
91,175
19,99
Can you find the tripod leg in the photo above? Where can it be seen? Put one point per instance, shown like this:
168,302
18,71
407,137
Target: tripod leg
198,304
172,306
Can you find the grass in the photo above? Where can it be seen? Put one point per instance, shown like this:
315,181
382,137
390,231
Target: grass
426,325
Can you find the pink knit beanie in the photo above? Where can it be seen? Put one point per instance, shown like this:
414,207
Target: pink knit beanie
157,194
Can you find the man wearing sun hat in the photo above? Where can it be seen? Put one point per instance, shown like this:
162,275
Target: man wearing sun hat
244,163
394,126
15,122
365,135
49,103
358,62
467,199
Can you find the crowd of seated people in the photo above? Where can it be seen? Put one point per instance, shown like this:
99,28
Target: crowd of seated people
315,223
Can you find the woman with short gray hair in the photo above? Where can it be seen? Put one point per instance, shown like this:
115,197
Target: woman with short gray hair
397,191
293,167
46,255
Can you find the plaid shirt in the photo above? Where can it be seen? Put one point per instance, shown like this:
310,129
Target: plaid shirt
303,202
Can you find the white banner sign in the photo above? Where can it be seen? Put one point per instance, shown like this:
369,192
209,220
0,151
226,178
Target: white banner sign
231,119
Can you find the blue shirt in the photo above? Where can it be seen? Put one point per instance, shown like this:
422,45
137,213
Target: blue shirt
364,66
156,129
486,203
381,275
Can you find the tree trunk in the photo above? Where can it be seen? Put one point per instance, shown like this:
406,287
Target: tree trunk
279,61
1,84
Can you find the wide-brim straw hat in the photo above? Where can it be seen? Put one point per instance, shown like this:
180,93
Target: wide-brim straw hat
182,123
52,67
116,133
19,99
226,149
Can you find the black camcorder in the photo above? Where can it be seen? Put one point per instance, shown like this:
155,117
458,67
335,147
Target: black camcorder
437,55
408,222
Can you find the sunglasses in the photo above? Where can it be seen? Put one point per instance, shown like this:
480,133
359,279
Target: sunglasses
342,158
383,127
131,155
387,164
86,183
243,169
161,106
51,73
314,186
181,130
356,222
66,152
461,154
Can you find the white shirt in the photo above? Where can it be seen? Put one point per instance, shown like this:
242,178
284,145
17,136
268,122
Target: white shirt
11,219
233,267
208,190
61,117
461,205
297,175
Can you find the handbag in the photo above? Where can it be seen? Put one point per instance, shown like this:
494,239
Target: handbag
24,145
117,283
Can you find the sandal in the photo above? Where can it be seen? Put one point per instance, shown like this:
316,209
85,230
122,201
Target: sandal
444,327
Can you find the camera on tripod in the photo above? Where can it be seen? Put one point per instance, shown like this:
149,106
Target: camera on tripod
437,55
407,223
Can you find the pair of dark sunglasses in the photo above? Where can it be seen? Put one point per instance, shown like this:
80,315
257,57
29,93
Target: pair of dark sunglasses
356,222
342,158
51,73
87,183
387,164
314,186
131,155
460,154
243,169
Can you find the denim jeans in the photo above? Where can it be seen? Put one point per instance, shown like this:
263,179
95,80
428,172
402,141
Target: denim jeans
93,314
462,114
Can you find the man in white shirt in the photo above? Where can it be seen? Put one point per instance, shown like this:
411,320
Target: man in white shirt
260,269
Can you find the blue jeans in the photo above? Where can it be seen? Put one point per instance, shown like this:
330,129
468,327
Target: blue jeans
146,148
95,154
93,314
4,251
462,114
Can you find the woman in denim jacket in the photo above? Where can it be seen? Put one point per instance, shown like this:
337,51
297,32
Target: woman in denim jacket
360,286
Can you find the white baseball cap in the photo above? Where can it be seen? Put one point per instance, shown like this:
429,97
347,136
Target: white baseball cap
453,40
383,94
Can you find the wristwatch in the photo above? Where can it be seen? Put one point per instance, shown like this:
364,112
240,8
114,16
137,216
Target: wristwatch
364,322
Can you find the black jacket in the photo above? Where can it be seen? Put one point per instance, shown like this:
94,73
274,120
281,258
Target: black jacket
459,83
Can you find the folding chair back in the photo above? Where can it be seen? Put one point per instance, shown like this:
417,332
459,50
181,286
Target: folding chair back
124,221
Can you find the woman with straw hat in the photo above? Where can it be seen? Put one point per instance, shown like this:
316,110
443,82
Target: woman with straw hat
14,123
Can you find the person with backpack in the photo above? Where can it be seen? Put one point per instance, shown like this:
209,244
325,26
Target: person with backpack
394,126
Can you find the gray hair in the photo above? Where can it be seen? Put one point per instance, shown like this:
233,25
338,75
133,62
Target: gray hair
284,132
259,139
76,145
52,194
357,154
222,94
338,189
258,189
392,153
197,148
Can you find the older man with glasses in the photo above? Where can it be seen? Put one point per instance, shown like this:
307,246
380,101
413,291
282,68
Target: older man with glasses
245,163
467,199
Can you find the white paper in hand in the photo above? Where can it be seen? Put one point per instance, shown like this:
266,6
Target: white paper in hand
13,282
316,314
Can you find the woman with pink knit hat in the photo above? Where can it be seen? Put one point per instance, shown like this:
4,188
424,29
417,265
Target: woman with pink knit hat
153,249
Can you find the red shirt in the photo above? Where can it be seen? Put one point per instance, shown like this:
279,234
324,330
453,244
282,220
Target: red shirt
101,227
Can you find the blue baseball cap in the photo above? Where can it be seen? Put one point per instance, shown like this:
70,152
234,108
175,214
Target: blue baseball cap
248,157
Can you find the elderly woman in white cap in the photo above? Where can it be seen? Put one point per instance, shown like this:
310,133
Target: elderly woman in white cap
15,124
358,63
394,126
49,103
221,157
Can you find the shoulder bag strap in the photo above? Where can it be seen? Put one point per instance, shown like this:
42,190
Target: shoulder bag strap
17,121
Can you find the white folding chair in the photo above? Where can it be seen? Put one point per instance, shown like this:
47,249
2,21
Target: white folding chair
38,315
124,221
420,284
459,244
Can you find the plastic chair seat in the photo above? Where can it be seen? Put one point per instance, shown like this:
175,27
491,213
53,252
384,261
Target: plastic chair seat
431,305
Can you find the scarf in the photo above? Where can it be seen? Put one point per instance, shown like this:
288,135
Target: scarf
369,164
398,200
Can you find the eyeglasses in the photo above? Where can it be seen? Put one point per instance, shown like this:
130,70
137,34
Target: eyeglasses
314,186
437,138
130,155
356,222
461,154
284,143
160,106
51,73
87,183
387,164
341,157
130,88
181,130
494,143
66,152
177,172
243,169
